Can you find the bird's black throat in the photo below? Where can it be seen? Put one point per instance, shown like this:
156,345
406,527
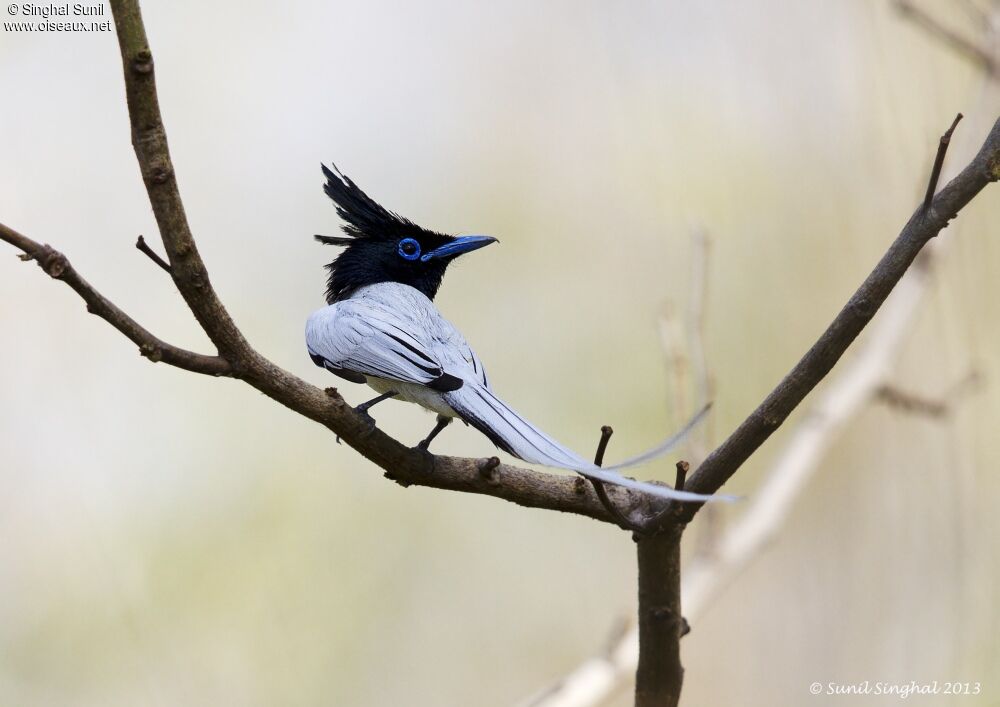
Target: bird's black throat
366,263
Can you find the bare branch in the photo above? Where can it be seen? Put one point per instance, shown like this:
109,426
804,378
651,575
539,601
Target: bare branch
56,265
659,674
682,471
709,573
859,310
914,403
599,487
402,464
149,138
152,254
911,402
939,162
963,46
602,444
597,678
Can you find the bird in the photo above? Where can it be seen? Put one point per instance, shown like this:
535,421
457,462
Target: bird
380,327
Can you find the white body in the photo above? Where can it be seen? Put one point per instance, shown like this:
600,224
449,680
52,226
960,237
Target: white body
394,336
337,331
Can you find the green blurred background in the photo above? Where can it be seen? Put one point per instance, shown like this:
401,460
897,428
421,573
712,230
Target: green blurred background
169,539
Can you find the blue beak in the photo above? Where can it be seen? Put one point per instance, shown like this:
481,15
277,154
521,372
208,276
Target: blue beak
462,244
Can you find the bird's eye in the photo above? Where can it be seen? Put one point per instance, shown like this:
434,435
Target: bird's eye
409,249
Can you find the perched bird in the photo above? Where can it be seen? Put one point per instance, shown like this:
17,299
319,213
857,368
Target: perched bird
380,327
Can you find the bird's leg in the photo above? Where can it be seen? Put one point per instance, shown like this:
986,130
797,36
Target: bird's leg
442,422
363,408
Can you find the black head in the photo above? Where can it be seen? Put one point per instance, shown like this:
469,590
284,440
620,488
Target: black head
384,247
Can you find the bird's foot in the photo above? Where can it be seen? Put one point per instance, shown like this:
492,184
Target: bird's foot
442,422
363,408
369,421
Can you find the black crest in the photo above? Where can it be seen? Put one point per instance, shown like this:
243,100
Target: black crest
363,216
372,235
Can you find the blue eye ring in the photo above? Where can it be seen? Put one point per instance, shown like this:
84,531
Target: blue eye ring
408,249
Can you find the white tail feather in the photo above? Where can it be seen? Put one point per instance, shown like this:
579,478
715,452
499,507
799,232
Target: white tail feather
479,407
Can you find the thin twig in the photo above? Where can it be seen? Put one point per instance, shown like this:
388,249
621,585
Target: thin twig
599,488
58,267
905,401
938,162
682,470
914,403
602,444
144,247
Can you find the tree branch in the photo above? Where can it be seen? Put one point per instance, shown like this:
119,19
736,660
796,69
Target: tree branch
407,466
659,674
149,139
935,407
707,574
925,223
932,183
601,490
404,465
56,265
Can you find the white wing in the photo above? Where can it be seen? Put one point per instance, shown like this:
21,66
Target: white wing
387,333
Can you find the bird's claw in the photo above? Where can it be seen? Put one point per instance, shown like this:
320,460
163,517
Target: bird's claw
363,412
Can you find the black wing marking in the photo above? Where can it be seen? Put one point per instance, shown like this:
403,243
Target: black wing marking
446,383
352,376
373,346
